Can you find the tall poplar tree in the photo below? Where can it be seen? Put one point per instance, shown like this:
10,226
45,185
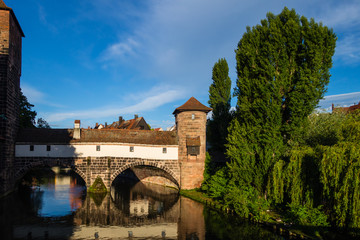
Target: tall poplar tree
219,101
283,70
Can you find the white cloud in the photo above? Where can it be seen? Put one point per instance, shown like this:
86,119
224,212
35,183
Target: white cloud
348,49
179,41
119,50
43,19
143,104
342,100
34,96
342,14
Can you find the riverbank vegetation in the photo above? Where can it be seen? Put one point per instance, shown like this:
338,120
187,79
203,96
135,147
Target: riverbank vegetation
279,153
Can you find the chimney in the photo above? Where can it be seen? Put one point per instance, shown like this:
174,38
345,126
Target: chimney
136,116
120,120
76,134
332,107
105,124
97,125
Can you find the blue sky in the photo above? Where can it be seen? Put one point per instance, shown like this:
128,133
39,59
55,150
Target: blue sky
95,60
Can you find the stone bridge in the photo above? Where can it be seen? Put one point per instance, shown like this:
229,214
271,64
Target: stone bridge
163,172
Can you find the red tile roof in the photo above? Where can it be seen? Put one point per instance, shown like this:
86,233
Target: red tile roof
64,136
346,109
135,123
192,105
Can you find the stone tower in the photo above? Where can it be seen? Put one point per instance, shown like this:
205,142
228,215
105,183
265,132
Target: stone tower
10,72
190,121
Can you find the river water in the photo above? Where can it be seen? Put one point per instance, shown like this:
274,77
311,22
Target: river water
53,204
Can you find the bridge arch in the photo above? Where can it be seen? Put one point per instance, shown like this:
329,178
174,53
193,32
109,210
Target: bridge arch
171,175
47,162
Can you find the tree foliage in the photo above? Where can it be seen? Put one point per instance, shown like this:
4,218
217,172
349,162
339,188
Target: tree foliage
323,175
27,115
283,69
220,97
280,154
42,123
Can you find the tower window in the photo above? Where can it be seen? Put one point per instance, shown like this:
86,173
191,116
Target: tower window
31,148
48,148
193,150
131,149
192,116
164,150
97,147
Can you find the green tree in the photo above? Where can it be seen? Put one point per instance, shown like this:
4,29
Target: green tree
219,100
283,70
27,115
42,123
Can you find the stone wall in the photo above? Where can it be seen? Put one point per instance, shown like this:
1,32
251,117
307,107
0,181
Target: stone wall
10,71
192,166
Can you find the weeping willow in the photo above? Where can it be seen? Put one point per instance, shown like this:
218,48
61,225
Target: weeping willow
291,181
340,176
324,174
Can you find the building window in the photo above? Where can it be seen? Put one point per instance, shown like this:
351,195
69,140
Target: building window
97,147
131,149
192,116
193,150
164,150
48,148
31,148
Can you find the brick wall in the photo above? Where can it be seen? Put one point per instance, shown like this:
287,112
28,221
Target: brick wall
192,166
10,71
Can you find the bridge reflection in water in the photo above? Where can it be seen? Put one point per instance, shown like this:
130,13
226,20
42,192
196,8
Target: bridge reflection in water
140,210
59,208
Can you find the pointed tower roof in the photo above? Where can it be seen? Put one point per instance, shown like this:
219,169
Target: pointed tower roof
4,7
192,105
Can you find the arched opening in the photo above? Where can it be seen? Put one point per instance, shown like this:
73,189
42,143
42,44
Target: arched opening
46,163
155,174
51,191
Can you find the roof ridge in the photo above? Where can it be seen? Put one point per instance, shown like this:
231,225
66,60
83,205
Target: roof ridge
192,105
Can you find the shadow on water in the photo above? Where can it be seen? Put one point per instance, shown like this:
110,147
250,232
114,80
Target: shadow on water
220,226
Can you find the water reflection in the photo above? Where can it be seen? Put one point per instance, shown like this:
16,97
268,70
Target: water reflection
55,206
